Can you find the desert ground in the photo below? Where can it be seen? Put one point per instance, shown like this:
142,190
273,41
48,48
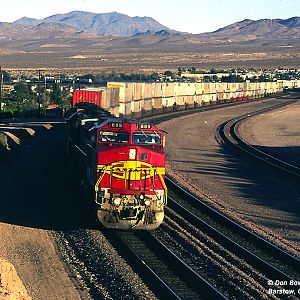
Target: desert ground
146,55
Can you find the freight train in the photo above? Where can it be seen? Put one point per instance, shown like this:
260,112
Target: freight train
120,163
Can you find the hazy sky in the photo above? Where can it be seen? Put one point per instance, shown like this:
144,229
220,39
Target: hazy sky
193,16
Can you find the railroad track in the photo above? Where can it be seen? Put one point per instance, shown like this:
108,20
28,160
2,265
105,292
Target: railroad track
228,133
162,259
269,262
164,271
198,253
168,276
260,261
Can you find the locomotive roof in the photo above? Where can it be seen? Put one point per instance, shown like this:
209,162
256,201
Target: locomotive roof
87,111
91,124
92,116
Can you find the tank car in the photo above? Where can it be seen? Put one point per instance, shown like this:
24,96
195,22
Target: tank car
121,165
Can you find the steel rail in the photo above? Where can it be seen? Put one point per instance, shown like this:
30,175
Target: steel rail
263,156
201,287
228,133
207,290
260,264
248,235
186,271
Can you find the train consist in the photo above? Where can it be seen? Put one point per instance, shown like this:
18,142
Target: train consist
120,163
142,99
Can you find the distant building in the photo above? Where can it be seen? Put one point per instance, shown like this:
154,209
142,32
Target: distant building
200,76
7,89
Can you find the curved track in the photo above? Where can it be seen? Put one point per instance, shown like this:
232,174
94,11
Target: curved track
229,134
270,262
236,257
255,257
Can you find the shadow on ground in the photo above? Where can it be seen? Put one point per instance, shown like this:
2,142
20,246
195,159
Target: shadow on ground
36,190
257,182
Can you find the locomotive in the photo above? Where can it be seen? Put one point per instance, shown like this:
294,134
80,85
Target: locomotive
121,166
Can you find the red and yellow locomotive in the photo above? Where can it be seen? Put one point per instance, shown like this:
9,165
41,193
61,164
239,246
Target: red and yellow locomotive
121,165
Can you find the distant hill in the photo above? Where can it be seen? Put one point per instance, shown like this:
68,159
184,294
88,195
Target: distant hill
261,29
11,31
87,42
113,23
28,21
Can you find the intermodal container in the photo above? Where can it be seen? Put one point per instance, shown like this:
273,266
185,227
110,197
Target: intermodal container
149,90
169,89
148,104
94,97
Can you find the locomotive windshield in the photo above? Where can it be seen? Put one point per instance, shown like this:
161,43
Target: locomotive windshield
146,138
114,137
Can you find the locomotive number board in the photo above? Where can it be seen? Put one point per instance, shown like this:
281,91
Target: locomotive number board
145,126
116,125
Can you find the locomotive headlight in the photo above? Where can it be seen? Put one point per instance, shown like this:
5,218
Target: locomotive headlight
147,202
132,153
117,201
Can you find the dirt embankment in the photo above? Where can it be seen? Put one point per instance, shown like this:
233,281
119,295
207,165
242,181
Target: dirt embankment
11,287
28,255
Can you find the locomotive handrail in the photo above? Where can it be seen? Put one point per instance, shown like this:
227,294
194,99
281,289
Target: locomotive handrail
100,179
165,188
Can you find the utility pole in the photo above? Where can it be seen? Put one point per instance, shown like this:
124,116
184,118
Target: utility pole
1,79
57,93
39,92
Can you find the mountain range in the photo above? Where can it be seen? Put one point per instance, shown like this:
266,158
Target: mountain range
84,25
113,23
266,29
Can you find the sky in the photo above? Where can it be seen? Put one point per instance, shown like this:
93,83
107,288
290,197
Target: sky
194,16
